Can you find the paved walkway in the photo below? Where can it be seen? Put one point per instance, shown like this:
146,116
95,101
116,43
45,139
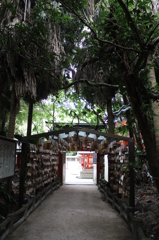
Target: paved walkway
73,212
72,176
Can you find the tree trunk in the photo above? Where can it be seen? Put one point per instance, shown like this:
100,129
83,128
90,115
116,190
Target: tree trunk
147,132
30,115
133,130
110,116
155,104
90,7
13,112
3,118
1,112
155,109
128,116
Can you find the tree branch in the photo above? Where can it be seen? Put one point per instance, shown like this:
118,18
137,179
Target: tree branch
132,25
95,34
96,113
154,95
156,41
142,57
90,84
94,60
151,33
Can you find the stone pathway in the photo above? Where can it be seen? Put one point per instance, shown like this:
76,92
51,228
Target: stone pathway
73,212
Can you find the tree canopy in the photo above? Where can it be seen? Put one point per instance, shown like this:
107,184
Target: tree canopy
103,48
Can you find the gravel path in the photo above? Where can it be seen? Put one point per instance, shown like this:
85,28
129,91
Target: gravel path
73,212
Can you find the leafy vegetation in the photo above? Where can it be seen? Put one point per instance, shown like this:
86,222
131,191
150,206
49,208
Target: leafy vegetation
120,41
6,202
103,48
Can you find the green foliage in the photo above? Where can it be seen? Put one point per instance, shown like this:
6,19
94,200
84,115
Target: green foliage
78,109
116,40
121,32
27,46
22,118
69,109
6,201
72,153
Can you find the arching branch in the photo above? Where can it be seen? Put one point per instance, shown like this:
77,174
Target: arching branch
151,33
94,32
90,84
132,25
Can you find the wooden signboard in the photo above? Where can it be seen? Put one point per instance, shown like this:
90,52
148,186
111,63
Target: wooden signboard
7,157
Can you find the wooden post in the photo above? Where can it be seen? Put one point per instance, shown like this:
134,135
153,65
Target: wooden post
113,198
18,159
25,151
98,167
60,172
132,185
130,217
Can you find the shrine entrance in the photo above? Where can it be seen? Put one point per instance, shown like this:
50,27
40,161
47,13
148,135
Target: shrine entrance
117,169
79,168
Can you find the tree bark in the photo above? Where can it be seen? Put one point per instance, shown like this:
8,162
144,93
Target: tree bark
110,116
146,129
1,112
3,118
30,115
90,7
13,111
155,104
154,164
11,129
